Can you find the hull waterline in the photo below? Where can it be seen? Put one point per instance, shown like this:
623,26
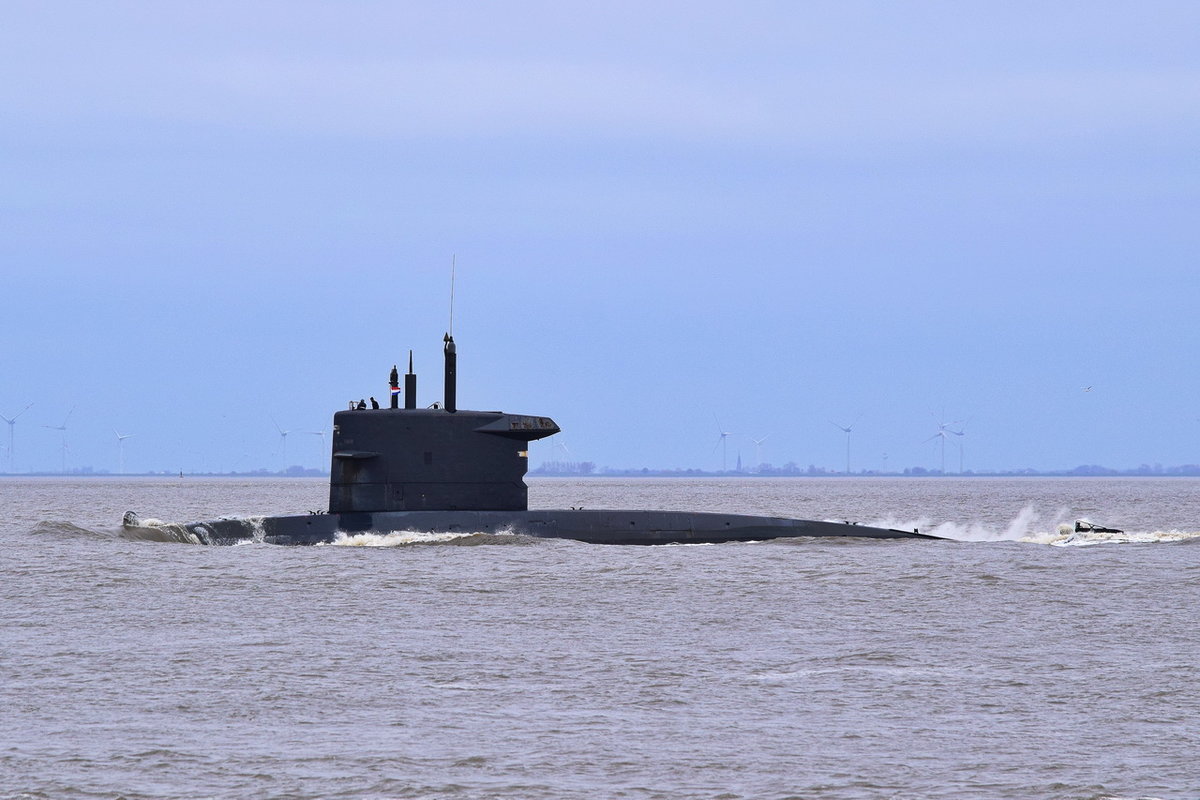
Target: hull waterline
591,526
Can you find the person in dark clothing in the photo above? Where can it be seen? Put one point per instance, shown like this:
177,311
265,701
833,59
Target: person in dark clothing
374,403
362,404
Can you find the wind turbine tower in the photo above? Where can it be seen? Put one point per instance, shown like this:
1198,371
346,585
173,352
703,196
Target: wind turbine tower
322,435
721,443
560,444
282,442
758,451
961,445
63,428
943,428
12,422
846,429
121,437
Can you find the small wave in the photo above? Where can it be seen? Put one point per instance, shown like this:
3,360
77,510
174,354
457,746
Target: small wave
65,529
156,530
411,538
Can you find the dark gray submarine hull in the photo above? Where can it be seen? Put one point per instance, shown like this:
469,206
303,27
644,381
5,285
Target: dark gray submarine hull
591,526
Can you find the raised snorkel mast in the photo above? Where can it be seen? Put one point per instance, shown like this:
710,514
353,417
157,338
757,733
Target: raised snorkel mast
410,385
451,374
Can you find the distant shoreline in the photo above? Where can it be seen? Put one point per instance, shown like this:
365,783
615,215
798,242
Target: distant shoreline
1173,472
1188,471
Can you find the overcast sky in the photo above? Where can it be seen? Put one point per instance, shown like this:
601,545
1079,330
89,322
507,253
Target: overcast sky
216,215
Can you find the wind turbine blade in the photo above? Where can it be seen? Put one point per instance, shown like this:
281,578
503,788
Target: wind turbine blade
17,415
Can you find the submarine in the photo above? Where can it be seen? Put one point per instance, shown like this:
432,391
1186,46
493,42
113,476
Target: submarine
442,469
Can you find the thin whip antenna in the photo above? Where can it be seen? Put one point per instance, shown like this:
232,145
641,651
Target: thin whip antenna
452,258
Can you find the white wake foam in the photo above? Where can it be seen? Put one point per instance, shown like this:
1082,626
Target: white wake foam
1031,527
397,538
1026,523
1067,536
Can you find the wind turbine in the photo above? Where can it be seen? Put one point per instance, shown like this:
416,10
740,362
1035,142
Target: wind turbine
322,435
943,429
12,421
846,429
758,451
561,444
721,442
63,428
282,441
121,437
961,441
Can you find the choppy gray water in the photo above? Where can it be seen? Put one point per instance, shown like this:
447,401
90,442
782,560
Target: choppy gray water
1004,667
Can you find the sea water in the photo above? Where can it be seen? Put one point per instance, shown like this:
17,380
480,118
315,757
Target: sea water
1021,660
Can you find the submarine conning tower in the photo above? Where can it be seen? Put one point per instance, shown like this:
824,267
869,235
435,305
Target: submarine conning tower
431,459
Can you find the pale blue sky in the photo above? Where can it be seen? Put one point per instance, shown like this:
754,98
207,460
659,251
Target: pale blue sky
777,214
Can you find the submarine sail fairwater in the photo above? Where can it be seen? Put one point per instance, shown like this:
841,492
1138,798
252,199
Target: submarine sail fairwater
446,470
